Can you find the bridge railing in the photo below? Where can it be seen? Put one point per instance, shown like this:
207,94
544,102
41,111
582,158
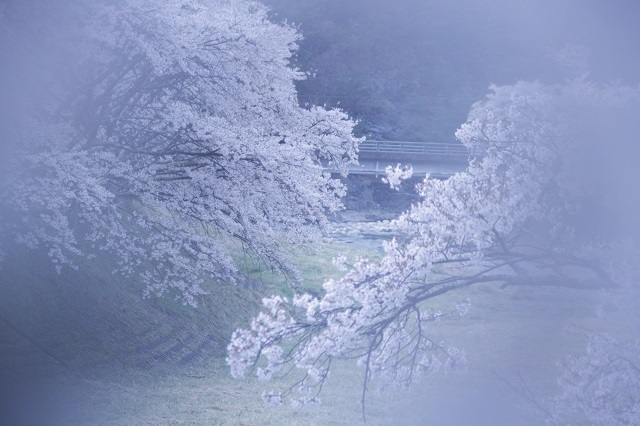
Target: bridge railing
447,149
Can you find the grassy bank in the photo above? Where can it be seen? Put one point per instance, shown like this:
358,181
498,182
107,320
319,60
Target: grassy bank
90,351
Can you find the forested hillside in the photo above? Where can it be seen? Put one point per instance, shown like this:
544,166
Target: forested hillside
410,69
183,214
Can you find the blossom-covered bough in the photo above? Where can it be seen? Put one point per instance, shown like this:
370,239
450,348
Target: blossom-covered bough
171,136
513,218
601,386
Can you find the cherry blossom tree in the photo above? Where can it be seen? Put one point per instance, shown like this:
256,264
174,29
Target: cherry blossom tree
170,137
514,217
600,386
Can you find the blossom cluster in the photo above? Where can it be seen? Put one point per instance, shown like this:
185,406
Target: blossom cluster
506,219
179,143
601,386
395,175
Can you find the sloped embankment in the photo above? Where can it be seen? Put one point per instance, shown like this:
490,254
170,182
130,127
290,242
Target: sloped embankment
91,318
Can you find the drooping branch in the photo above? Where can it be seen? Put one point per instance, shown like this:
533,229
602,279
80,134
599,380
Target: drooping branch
506,220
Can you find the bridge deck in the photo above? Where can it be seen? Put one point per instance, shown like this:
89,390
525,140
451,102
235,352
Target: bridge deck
439,159
431,150
420,168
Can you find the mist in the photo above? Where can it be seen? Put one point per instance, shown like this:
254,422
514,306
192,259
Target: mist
164,173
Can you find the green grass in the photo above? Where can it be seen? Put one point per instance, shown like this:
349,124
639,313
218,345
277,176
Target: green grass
113,343
314,264
205,396
511,332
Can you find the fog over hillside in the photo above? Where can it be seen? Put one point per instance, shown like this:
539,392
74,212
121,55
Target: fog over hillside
410,68
187,237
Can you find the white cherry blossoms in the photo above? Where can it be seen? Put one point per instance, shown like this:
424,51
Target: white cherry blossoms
601,386
504,221
183,145
395,175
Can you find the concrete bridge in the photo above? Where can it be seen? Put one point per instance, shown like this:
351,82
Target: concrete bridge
439,159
